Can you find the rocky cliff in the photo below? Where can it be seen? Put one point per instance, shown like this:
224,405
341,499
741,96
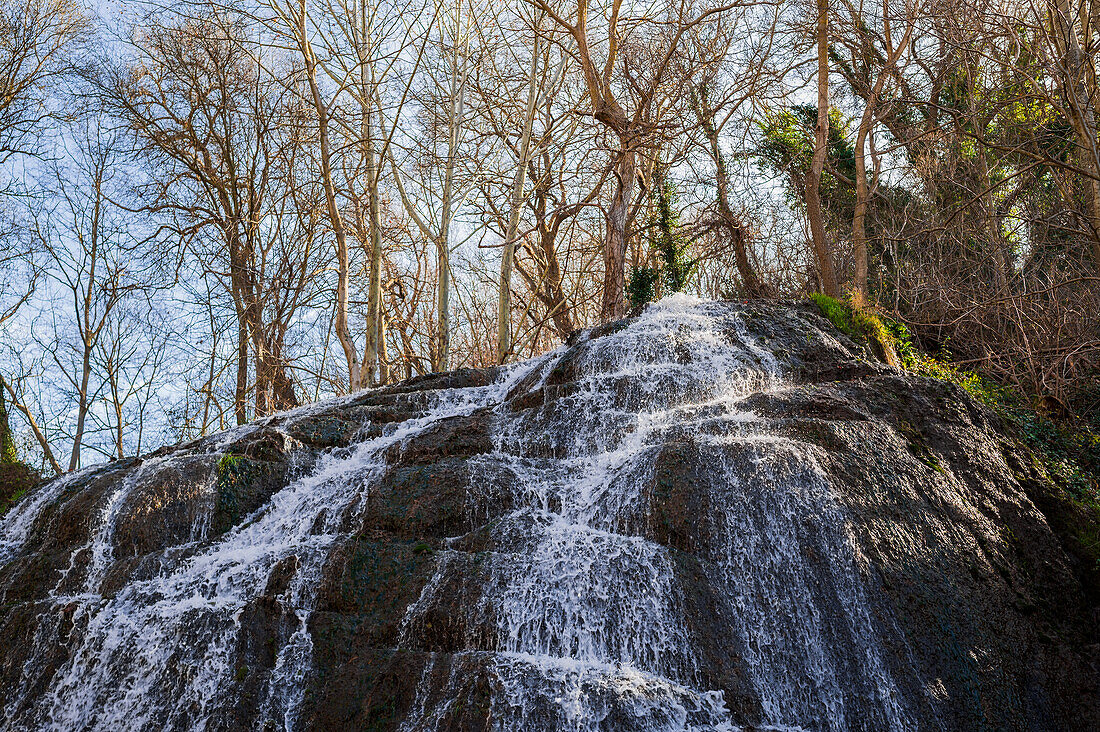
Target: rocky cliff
713,516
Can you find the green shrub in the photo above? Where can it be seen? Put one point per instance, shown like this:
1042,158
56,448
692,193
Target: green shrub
667,241
670,243
642,286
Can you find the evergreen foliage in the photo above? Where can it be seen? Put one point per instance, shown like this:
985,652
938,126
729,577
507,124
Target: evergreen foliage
643,286
670,243
671,247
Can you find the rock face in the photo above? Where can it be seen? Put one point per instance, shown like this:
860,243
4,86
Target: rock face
712,516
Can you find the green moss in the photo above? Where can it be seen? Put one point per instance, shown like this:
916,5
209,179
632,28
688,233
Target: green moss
235,484
860,324
1066,452
242,674
16,481
835,312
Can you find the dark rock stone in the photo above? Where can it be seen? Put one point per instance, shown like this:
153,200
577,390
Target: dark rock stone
971,561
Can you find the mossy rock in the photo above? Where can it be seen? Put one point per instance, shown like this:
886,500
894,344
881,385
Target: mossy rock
243,484
16,480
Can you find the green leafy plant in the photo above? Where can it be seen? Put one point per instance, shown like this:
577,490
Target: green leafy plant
667,241
641,287
670,243
860,323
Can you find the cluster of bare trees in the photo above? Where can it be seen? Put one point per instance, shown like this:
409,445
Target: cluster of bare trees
212,212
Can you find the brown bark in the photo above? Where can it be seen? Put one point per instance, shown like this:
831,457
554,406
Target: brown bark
822,252
38,435
735,229
343,333
613,304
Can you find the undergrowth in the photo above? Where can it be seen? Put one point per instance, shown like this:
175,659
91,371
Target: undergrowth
17,479
1065,450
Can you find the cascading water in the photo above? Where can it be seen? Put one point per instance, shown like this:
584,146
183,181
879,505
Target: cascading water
158,654
582,619
589,611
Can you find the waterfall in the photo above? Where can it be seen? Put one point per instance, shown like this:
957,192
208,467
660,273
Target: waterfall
583,620
589,610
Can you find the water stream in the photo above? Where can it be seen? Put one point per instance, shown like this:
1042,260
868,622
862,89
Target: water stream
587,608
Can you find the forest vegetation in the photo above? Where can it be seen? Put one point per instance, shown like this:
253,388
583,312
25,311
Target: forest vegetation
213,211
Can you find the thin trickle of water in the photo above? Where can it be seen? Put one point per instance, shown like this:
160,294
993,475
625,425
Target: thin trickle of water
16,524
101,548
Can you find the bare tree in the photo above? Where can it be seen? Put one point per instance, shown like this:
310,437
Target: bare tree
37,41
826,268
88,259
223,134
631,76
434,210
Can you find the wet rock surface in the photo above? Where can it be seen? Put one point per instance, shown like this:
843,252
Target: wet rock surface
712,516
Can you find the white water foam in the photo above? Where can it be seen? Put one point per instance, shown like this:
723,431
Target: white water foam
160,653
590,613
585,611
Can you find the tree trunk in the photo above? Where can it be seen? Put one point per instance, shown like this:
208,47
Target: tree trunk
1094,214
441,353
7,443
859,227
262,366
371,357
504,302
241,391
371,369
282,387
38,435
555,297
822,253
734,228
383,358
343,334
441,358
237,287
116,405
82,405
613,305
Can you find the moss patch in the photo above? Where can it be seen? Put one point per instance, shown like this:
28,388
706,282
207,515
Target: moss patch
859,323
243,485
16,480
